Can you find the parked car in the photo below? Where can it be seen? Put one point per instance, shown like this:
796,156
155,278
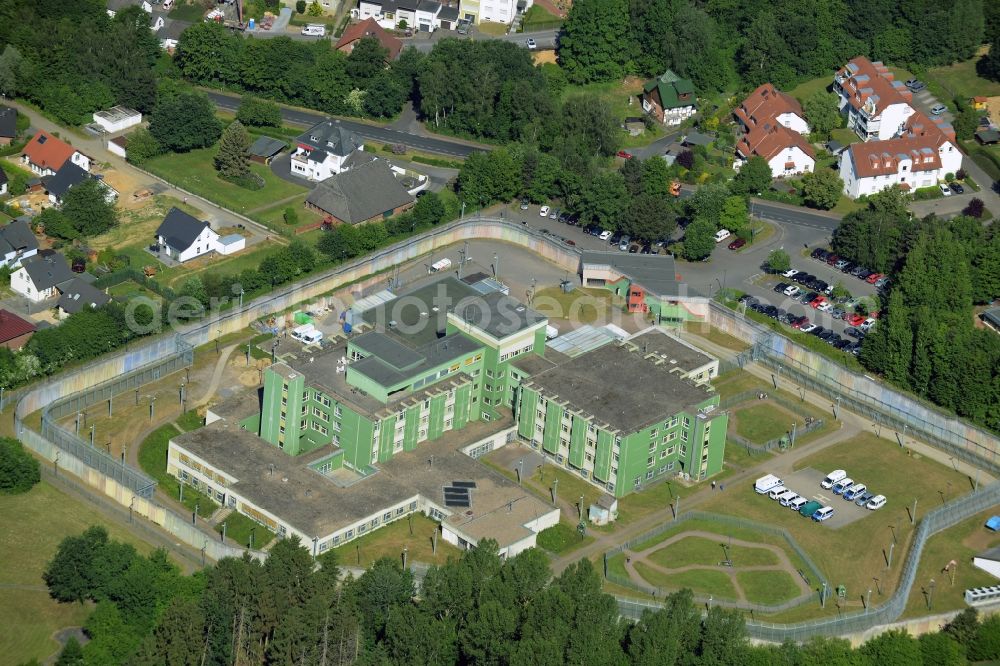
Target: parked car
841,263
819,253
789,497
825,306
790,273
853,332
810,508
867,324
781,287
797,503
945,190
823,514
957,188
853,319
524,204
842,485
799,322
852,493
605,235
737,244
915,85
831,259
531,44
832,478
938,109
863,498
808,328
876,502
818,301
818,331
874,277
543,211
569,241
625,155
554,215
792,291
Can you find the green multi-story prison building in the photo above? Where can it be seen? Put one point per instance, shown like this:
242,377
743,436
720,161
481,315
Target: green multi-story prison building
441,357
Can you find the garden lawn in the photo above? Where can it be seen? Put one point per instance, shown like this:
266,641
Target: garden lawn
33,525
195,172
760,423
274,217
561,538
810,87
184,11
389,541
705,582
961,80
538,18
153,461
709,552
238,529
767,587
584,306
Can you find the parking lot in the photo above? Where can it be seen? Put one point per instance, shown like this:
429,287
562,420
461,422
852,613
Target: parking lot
806,483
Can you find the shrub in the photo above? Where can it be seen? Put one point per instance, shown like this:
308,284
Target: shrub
300,6
18,470
291,216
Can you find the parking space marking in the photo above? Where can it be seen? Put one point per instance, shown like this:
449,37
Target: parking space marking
823,498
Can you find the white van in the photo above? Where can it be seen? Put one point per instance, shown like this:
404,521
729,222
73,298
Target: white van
765,483
776,492
876,502
832,478
551,332
787,497
721,235
307,334
314,30
797,503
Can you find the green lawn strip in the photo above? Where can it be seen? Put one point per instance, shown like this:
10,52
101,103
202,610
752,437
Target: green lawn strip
959,543
195,172
767,587
190,420
274,217
701,581
807,88
760,423
716,336
193,12
738,456
238,529
561,538
153,461
709,552
583,305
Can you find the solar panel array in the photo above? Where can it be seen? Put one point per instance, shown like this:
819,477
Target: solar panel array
457,494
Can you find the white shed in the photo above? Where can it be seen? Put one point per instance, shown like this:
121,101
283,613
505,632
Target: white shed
117,118
231,243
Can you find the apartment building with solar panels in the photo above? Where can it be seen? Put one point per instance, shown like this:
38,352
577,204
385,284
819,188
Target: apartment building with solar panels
339,441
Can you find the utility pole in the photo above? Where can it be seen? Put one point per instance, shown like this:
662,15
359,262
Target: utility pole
93,428
224,532
794,426
892,547
913,516
555,489
822,598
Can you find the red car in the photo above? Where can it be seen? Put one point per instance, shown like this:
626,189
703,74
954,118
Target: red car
737,244
853,319
800,322
818,301
624,155
874,277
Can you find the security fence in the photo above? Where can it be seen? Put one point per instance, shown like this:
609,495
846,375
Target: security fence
811,575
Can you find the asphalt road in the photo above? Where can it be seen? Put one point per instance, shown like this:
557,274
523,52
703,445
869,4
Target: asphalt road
544,39
301,118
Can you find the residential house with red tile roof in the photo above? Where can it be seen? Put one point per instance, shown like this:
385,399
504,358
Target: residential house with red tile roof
921,156
787,152
14,331
767,103
46,154
369,28
876,105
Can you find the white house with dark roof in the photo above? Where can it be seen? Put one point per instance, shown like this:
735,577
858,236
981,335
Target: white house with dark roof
68,177
17,242
322,151
39,276
183,237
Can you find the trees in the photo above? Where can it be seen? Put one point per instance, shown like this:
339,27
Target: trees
87,210
603,201
822,189
300,6
366,61
734,216
594,42
650,218
258,112
975,208
753,178
988,66
232,161
18,469
142,146
184,121
291,216
488,177
340,243
966,123
699,239
822,113
778,261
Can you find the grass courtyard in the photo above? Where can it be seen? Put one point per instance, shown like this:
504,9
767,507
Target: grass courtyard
33,526
391,539
581,306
